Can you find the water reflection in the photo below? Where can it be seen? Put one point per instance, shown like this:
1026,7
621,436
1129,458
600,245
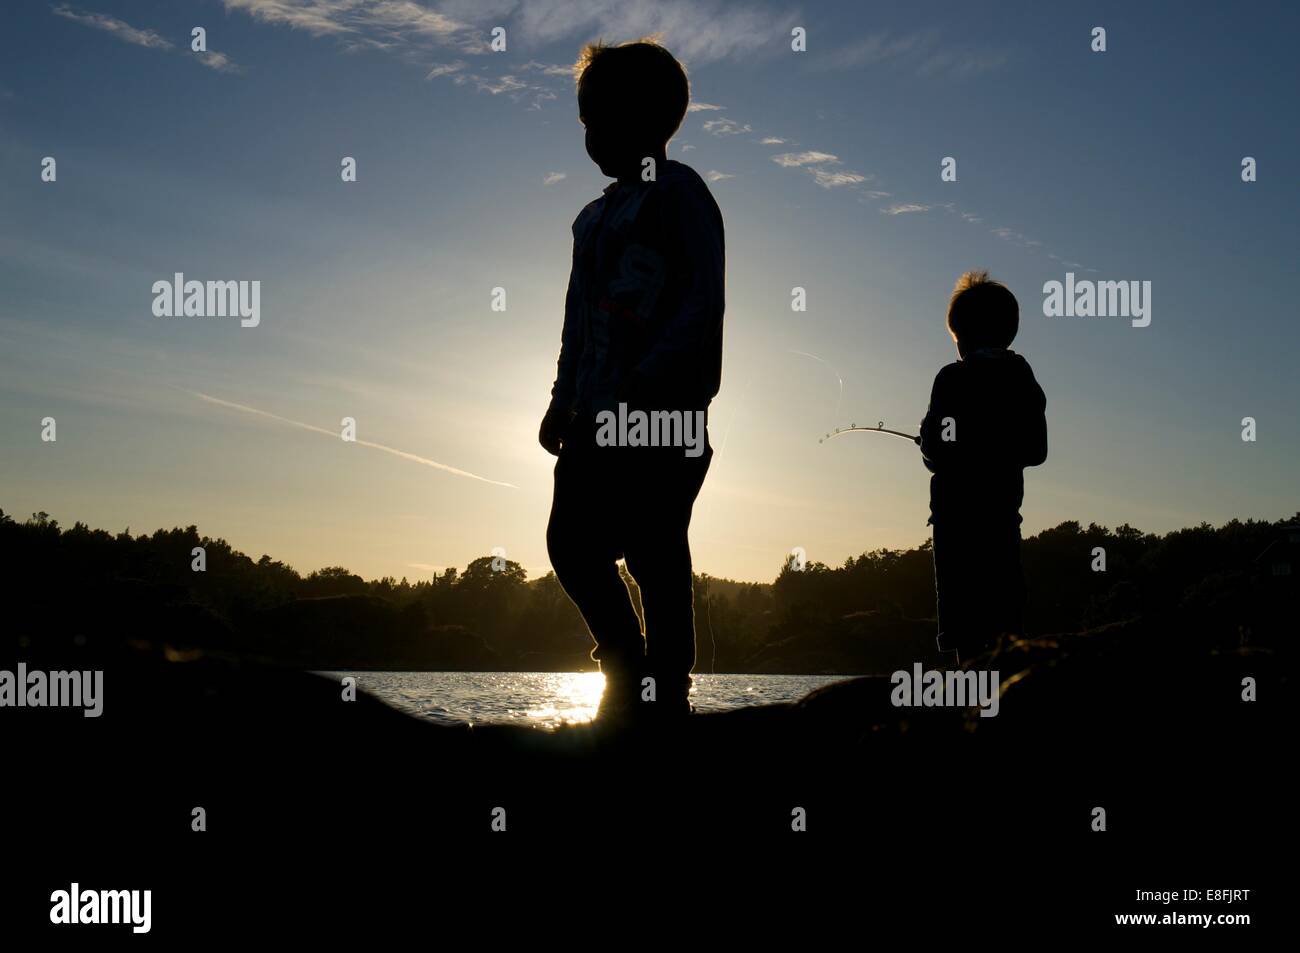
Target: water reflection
572,696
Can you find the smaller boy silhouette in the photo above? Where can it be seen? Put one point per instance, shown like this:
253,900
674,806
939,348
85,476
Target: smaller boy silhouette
985,424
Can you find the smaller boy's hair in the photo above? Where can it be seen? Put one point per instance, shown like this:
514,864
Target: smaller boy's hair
983,312
641,77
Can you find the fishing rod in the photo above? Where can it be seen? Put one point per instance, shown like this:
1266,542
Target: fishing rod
879,428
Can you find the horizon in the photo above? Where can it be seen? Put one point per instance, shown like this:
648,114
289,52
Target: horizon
696,572
376,295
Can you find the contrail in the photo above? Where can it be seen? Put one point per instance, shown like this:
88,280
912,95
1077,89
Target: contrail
365,443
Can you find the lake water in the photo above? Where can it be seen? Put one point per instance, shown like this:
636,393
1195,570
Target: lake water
550,699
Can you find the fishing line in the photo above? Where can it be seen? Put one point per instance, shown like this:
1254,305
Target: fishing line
852,428
838,400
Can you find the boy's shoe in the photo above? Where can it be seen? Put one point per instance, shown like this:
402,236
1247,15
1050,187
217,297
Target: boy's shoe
623,707
672,701
622,696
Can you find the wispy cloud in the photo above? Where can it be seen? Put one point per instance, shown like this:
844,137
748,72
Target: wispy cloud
825,169
793,160
408,18
218,61
922,53
317,18
141,37
725,127
395,22
831,179
1002,232
496,85
118,28
360,44
445,69
910,208
426,567
815,164
507,84
697,31
334,435
550,69
484,81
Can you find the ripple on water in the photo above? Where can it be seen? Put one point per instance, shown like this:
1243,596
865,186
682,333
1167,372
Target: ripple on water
551,699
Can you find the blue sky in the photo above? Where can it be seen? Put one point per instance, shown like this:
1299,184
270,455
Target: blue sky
1123,165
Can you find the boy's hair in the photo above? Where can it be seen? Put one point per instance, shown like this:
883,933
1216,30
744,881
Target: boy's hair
983,312
641,77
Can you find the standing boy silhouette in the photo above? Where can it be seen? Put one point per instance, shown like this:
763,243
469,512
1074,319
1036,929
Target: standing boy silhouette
985,424
642,328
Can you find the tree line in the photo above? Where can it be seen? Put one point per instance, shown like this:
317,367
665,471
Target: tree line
873,613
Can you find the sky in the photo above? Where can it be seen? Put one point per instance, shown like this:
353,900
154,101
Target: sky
375,295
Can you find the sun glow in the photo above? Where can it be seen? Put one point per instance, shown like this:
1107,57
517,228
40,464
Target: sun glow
576,694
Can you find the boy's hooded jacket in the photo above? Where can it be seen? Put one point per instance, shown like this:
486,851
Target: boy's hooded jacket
998,427
645,296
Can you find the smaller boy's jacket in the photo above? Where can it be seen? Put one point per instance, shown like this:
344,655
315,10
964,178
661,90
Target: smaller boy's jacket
645,296
991,409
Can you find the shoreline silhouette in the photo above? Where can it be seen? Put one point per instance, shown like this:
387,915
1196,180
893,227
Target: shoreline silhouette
872,615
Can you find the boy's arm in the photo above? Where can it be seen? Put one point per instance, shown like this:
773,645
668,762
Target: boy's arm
691,225
935,451
563,392
1035,448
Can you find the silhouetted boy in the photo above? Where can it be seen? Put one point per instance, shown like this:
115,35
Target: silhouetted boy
985,424
642,328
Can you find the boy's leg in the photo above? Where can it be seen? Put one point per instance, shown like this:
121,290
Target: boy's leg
979,586
584,551
958,593
1010,608
658,556
945,595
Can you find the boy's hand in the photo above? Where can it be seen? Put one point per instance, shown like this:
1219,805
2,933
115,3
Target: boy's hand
554,424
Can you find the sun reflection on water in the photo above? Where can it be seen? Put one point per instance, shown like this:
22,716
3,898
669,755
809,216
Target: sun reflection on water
574,695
